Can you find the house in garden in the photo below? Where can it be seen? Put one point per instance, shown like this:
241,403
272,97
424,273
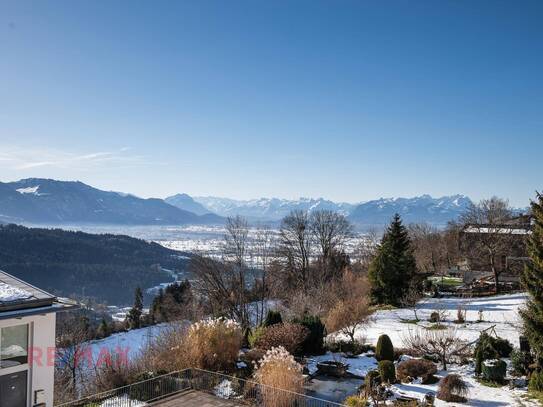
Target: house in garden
507,240
27,343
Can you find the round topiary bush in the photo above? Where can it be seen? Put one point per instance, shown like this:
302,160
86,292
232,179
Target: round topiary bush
413,368
314,343
452,389
494,370
384,349
387,371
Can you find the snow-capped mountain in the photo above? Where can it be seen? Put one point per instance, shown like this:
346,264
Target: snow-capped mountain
435,211
185,202
37,200
269,209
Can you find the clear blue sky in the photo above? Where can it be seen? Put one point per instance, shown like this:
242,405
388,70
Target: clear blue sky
350,100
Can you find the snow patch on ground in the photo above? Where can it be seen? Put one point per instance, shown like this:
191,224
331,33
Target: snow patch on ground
479,395
131,343
9,293
499,311
29,190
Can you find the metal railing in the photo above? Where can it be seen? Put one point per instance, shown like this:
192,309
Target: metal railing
219,385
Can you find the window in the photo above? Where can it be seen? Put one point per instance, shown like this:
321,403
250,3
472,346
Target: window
13,346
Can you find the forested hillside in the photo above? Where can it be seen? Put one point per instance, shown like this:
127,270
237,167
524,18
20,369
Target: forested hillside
106,267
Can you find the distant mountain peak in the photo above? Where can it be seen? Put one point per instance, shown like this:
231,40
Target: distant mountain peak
37,200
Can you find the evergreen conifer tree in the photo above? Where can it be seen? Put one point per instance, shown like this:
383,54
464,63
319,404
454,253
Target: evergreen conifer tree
532,279
133,318
392,271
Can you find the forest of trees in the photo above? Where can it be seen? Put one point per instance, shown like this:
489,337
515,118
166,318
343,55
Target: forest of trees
77,264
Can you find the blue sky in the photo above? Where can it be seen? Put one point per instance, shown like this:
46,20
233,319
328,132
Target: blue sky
349,100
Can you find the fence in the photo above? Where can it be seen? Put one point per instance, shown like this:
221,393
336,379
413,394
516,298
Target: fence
221,386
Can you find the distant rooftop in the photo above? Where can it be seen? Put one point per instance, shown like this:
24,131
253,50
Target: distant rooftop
18,297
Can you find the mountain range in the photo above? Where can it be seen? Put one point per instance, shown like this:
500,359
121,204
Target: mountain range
435,211
46,201
37,200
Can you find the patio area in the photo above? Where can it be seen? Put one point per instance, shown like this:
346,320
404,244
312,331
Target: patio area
193,398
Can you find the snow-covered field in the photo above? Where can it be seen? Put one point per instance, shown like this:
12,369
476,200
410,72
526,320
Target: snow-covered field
130,343
498,311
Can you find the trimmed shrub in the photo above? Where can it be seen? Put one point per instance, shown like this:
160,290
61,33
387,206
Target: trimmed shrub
279,370
494,370
314,343
414,368
387,371
273,318
493,347
355,401
489,348
452,389
536,381
384,349
289,336
520,361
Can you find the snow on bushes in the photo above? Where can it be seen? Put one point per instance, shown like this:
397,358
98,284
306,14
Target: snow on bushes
494,370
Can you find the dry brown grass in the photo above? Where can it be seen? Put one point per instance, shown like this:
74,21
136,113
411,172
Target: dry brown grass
212,344
279,370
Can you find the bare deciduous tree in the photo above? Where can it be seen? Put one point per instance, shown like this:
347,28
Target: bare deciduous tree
217,283
264,247
235,253
442,343
331,230
486,223
72,361
295,247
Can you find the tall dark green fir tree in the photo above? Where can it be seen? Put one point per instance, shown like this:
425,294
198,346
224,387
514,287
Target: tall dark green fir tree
532,278
133,318
394,267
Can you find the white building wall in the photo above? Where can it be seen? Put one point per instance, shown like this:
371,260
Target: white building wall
41,369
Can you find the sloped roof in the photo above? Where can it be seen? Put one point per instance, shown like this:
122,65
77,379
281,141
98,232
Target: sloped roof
15,294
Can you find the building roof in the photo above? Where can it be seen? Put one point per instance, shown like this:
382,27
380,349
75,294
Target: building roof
19,298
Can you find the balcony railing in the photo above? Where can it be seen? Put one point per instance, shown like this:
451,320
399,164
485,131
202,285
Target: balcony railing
222,386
